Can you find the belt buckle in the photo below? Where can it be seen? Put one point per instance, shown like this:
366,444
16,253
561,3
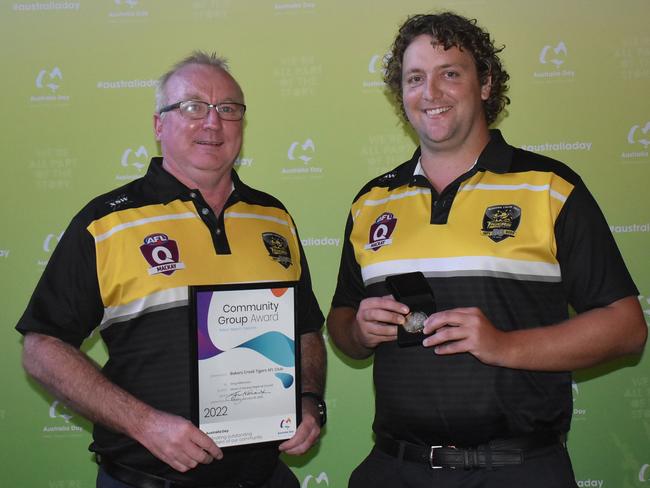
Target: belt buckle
433,466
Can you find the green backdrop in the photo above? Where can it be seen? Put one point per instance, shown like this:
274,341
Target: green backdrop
77,95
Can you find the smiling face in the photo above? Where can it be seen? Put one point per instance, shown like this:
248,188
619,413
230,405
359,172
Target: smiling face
193,150
443,98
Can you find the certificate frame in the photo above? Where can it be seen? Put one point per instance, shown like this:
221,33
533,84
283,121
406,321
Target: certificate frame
244,340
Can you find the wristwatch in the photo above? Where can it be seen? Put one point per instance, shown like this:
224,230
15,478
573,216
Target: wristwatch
320,404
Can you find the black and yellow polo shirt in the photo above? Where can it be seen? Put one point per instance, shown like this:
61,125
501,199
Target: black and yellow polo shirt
125,263
518,236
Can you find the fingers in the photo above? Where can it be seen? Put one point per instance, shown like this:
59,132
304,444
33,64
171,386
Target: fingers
197,447
206,444
387,332
453,331
453,318
179,443
382,309
306,436
378,319
468,330
190,455
447,340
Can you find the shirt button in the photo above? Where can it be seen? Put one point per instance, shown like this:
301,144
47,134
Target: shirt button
218,232
205,211
193,194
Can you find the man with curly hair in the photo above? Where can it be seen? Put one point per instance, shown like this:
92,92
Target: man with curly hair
506,241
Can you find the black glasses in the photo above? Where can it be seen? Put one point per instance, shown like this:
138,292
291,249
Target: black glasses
195,109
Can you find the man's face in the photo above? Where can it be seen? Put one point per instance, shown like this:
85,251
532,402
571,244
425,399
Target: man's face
442,95
194,149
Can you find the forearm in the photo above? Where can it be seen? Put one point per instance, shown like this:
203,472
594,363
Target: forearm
342,329
72,377
313,362
583,341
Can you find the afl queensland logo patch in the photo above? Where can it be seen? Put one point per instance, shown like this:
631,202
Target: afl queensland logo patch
381,231
501,221
278,248
162,254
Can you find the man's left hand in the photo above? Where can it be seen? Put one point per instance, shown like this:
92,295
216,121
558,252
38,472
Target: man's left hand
465,330
307,433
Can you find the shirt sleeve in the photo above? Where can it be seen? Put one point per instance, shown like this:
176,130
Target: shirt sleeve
593,271
66,302
350,289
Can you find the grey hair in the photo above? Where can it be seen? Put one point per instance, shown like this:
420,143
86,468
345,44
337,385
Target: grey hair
197,57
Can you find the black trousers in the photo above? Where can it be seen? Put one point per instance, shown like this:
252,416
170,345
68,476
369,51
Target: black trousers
549,468
282,477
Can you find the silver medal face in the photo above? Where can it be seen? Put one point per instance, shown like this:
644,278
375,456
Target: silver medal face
415,322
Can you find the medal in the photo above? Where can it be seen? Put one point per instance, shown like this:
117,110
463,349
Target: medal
415,322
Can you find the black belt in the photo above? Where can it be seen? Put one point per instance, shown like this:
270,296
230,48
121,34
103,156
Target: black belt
139,479
496,453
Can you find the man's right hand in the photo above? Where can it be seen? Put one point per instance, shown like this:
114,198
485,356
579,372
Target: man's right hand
377,320
176,441
357,332
73,378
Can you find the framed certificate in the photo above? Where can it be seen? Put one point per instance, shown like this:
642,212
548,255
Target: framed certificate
245,363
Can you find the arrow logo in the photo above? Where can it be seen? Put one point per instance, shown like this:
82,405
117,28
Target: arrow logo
631,136
140,153
321,477
307,145
560,48
54,74
54,414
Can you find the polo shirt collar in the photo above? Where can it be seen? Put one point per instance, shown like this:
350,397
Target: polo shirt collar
168,188
495,157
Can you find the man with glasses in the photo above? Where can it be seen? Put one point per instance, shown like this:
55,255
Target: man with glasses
505,240
125,263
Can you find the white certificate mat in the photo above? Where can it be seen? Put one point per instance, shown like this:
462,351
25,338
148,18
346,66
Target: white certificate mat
246,372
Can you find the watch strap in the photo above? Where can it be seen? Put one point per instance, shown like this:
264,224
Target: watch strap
320,404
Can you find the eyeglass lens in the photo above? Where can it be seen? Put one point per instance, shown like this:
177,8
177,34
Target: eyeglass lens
195,109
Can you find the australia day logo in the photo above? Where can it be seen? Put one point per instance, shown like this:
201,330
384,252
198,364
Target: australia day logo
376,71
578,413
127,9
48,82
49,243
133,161
57,412
644,473
302,152
317,480
381,231
638,135
553,54
162,254
554,57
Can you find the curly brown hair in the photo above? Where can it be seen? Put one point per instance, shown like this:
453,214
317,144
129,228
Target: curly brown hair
451,30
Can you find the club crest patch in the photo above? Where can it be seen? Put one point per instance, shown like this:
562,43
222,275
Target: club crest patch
278,248
162,254
381,231
501,221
